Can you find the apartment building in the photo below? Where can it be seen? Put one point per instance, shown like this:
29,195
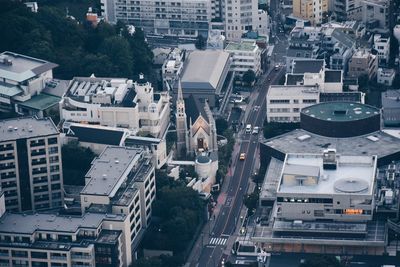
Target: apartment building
363,62
375,14
22,78
30,164
310,10
173,67
382,46
121,180
386,76
246,55
116,102
242,16
40,239
187,18
342,8
285,102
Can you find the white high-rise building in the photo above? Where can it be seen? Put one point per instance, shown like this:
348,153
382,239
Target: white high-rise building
242,16
165,17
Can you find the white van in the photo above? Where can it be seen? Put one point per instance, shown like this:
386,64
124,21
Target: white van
248,128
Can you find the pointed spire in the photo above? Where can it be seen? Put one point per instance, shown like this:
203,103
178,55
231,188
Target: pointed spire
180,95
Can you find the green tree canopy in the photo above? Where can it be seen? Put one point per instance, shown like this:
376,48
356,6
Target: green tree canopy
249,77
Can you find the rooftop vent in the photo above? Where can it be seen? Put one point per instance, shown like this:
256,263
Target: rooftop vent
304,137
5,61
329,159
104,176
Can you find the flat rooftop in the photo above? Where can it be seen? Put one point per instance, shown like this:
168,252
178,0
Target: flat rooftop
110,169
307,66
29,223
340,111
242,46
288,90
390,99
41,102
204,69
354,174
17,67
300,141
26,127
333,76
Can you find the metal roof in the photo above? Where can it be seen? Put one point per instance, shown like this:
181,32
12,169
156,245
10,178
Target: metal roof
204,69
41,102
307,66
23,67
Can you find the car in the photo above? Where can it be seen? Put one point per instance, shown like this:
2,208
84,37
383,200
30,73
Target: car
242,156
276,67
269,79
256,130
248,128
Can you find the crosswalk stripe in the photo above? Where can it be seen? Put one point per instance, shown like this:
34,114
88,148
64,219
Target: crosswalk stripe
218,241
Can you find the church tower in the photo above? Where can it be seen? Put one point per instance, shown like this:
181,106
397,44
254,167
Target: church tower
181,124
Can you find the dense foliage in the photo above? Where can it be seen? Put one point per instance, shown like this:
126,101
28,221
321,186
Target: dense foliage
76,162
272,129
178,212
78,48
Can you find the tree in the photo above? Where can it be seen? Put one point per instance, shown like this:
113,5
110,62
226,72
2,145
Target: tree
363,82
321,261
74,170
117,49
251,200
221,125
201,42
249,77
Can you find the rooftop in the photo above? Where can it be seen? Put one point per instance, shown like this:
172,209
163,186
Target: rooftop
110,169
333,76
283,90
204,69
242,46
299,52
103,91
354,174
308,66
300,141
9,90
29,223
340,111
17,67
41,102
94,133
390,99
294,79
362,53
26,127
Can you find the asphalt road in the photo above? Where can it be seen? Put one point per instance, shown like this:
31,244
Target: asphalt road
230,212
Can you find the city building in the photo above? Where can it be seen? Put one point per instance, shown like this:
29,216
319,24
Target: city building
30,164
173,67
116,102
23,79
121,181
207,75
285,102
375,14
363,62
195,126
390,100
172,18
340,119
294,53
342,8
41,239
382,46
324,204
246,55
310,10
313,72
386,76
241,17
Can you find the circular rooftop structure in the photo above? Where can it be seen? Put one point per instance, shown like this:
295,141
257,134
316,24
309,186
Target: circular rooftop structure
340,119
351,185
203,159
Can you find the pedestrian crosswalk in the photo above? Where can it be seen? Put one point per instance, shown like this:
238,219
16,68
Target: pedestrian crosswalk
218,241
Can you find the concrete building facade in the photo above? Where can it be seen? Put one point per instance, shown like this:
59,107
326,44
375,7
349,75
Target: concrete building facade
170,17
363,62
310,10
246,55
30,164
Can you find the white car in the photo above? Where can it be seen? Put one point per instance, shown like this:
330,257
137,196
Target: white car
248,128
256,130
